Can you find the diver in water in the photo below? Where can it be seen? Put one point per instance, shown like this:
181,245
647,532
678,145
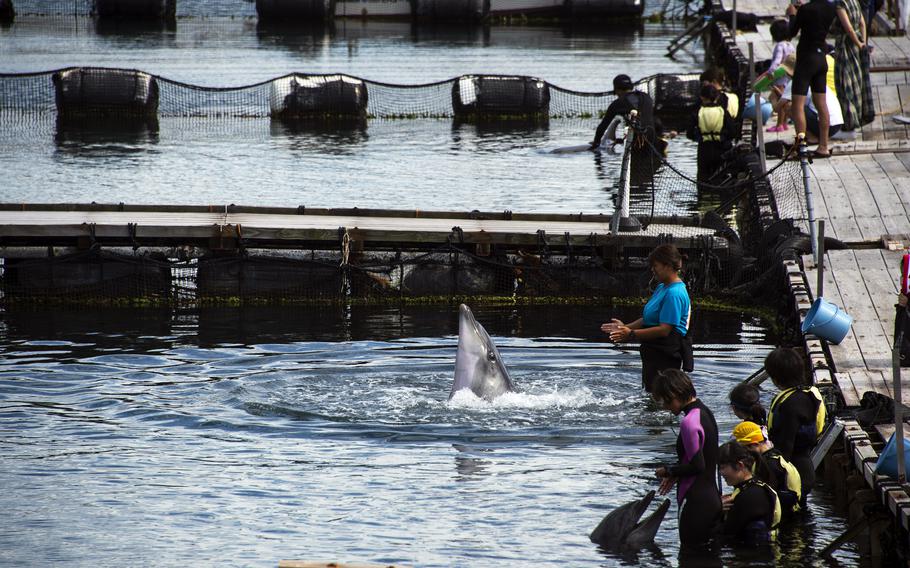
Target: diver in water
627,100
696,446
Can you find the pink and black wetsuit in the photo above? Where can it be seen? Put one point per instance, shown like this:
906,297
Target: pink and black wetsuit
696,492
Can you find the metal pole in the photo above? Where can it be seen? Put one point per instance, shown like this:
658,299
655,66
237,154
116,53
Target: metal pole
898,405
807,187
759,127
734,20
820,286
621,220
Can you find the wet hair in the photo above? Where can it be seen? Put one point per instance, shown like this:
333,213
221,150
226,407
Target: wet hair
622,83
733,452
746,399
709,92
666,254
672,384
712,75
780,30
785,366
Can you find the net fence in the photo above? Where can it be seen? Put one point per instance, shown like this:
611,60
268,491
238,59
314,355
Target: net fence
129,93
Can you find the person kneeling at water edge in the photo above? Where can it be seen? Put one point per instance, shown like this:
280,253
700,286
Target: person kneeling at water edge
771,467
663,328
753,510
696,446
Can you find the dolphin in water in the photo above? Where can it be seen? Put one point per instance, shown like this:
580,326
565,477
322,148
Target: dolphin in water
478,365
621,529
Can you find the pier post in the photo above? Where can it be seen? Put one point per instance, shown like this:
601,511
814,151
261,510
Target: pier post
621,220
759,127
898,406
807,187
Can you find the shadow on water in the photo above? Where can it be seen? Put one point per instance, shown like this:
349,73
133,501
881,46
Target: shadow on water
280,324
111,137
485,136
306,39
129,32
336,136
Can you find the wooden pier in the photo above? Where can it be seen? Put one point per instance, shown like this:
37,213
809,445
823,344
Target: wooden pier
863,195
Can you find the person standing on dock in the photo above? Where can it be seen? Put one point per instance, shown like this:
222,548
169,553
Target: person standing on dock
812,22
797,415
627,100
663,329
697,495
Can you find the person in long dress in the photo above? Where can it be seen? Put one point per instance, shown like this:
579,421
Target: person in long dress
851,55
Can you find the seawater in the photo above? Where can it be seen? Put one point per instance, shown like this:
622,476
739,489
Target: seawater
244,436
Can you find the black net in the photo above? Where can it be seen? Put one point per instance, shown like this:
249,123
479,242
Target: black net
105,91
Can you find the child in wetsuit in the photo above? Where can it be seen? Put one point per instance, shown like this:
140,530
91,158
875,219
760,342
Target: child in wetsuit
696,446
774,468
712,128
753,510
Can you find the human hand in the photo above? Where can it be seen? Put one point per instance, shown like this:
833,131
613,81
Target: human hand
726,501
611,326
621,333
902,300
662,472
666,485
791,10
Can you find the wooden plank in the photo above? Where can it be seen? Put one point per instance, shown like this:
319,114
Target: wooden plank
888,100
847,389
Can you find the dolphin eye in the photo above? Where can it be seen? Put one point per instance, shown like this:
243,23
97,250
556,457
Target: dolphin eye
491,357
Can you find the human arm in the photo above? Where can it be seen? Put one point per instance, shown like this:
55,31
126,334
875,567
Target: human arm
666,480
612,112
844,19
785,425
792,12
692,436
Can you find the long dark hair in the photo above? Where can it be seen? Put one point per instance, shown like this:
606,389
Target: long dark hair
746,398
733,452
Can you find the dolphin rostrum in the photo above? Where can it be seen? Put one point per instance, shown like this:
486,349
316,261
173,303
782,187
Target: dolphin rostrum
478,365
621,530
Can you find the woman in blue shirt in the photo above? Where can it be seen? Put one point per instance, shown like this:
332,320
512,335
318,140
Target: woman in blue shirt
664,326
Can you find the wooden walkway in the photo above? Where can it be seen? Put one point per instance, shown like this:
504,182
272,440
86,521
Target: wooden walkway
24,224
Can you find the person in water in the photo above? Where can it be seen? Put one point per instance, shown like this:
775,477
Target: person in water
627,100
713,128
696,447
745,401
772,467
752,511
796,417
663,328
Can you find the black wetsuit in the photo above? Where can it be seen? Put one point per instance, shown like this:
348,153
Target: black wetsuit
696,491
711,145
751,518
793,431
633,100
812,22
778,481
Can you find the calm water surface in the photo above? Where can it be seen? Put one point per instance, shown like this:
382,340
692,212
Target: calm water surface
250,435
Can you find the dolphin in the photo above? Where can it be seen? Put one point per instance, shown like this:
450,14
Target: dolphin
478,365
621,529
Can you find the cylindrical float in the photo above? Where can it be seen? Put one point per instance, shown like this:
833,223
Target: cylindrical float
92,91
267,278
451,10
604,8
283,10
490,96
92,277
136,9
462,277
318,96
7,12
676,93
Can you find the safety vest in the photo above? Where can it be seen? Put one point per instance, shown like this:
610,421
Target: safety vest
794,481
820,412
829,78
772,497
732,104
711,123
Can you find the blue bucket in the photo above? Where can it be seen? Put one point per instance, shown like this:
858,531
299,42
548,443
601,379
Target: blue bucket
827,321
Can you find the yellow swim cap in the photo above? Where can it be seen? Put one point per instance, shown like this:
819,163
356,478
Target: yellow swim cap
748,433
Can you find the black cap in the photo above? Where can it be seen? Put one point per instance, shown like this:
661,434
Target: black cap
622,83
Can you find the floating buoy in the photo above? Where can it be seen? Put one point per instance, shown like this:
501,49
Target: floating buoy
500,96
282,10
318,96
92,91
136,9
451,10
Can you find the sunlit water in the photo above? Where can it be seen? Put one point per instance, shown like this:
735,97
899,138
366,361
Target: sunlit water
247,436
